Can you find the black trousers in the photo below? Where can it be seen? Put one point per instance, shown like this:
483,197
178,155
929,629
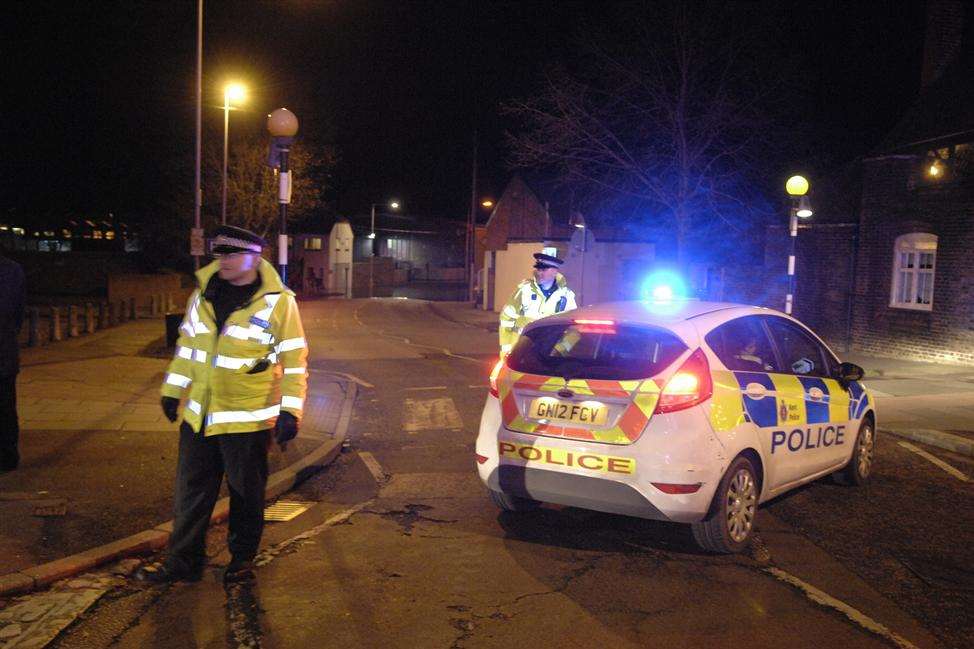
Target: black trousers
9,428
202,463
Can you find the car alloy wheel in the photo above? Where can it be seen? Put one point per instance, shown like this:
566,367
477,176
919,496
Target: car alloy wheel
741,504
864,451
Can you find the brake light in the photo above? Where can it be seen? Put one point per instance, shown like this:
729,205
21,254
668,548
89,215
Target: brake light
689,386
595,326
481,459
494,373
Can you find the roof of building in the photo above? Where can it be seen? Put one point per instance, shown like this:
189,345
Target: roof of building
942,114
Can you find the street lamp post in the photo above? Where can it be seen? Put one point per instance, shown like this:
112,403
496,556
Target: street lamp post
283,126
232,92
392,205
797,188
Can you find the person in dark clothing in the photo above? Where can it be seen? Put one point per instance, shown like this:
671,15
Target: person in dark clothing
13,296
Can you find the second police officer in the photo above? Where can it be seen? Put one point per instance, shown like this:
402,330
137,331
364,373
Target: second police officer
241,364
544,294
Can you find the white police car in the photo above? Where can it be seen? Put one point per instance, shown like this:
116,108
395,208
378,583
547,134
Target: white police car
686,411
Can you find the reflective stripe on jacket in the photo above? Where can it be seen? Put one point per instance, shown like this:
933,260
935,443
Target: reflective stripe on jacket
240,378
528,304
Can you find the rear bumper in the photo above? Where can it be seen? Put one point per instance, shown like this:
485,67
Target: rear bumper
667,452
572,490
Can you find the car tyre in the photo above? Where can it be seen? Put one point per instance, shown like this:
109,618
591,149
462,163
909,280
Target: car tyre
512,503
860,466
730,525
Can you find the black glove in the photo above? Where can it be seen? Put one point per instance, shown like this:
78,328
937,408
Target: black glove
170,408
285,429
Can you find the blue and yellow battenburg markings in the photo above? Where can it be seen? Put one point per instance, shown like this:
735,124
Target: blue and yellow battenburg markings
799,401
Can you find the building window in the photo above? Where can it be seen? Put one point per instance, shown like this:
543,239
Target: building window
312,243
914,264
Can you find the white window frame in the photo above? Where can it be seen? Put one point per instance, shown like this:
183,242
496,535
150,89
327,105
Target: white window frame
912,286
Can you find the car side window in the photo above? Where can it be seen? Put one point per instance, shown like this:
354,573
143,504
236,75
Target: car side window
800,353
743,345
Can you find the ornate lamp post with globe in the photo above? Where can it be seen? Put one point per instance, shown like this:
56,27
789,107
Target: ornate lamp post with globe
283,126
797,188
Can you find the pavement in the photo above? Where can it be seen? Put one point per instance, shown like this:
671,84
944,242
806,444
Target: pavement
932,403
98,457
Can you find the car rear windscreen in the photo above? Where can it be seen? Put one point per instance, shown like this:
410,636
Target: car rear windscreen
613,352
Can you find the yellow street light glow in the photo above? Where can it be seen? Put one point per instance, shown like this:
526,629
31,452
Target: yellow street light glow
797,186
487,203
235,93
394,205
934,170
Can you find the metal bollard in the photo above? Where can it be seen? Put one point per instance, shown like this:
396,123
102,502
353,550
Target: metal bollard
89,318
170,303
73,321
103,315
56,324
33,326
112,309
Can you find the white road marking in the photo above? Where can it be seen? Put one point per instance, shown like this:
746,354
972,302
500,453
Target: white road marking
857,616
432,387
344,375
478,387
936,460
373,466
879,393
427,414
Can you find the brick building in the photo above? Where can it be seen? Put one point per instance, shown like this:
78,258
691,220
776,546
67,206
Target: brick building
907,252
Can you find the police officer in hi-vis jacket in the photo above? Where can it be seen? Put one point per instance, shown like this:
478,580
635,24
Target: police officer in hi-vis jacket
241,367
544,294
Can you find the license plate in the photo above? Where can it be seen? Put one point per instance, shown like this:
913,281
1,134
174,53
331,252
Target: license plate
591,413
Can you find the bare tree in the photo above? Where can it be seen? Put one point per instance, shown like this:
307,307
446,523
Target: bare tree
252,186
668,116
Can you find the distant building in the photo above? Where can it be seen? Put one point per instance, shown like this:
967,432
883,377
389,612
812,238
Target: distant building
599,266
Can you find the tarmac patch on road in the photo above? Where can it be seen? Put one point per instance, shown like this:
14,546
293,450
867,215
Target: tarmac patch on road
430,414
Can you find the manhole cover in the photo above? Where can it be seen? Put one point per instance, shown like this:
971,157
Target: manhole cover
285,510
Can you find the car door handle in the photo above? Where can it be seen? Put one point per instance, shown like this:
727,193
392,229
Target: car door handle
756,391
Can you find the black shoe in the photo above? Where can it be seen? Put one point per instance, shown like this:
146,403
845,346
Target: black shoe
164,574
239,570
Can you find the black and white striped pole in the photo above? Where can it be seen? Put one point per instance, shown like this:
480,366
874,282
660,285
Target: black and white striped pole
797,188
283,126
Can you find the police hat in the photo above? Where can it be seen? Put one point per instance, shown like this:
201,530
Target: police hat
542,260
228,239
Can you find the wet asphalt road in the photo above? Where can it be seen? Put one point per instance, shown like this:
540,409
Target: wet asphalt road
403,548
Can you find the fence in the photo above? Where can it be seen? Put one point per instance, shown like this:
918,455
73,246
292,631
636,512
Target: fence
47,324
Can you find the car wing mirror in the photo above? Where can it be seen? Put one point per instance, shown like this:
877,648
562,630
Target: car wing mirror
846,373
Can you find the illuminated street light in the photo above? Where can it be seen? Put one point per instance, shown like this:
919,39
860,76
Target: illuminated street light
935,170
392,205
797,188
487,203
236,93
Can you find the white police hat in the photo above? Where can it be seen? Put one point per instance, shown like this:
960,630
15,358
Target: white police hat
542,260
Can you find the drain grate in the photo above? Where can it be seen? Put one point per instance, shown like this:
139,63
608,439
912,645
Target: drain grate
285,510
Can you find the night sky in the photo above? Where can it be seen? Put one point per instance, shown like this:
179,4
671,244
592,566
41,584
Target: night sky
99,97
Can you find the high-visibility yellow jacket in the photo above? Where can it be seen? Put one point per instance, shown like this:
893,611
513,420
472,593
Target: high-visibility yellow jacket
239,379
528,304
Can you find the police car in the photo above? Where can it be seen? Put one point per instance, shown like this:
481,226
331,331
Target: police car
685,411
